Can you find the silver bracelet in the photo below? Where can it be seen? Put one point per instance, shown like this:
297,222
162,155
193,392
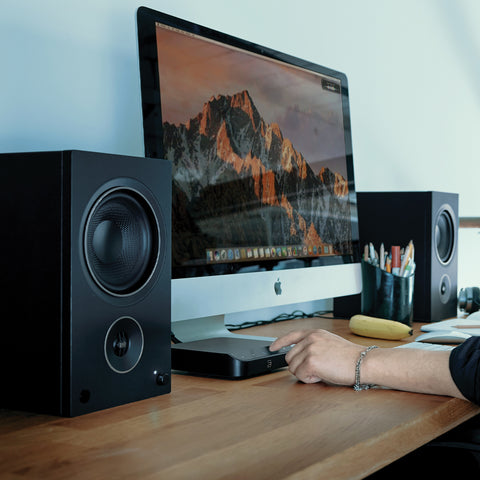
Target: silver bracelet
358,386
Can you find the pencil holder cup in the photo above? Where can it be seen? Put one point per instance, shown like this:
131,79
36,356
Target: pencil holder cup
386,295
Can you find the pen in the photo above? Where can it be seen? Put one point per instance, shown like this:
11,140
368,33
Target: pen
382,257
408,268
395,260
372,252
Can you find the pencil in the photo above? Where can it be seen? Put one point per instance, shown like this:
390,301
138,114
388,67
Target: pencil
406,257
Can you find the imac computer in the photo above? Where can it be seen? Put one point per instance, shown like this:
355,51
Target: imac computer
264,206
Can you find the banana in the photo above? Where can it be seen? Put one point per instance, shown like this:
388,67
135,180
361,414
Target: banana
379,328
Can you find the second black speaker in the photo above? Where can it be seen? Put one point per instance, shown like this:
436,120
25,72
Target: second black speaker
430,219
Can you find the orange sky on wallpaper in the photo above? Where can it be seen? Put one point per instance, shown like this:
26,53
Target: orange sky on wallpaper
192,70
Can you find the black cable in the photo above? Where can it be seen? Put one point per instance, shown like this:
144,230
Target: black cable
280,318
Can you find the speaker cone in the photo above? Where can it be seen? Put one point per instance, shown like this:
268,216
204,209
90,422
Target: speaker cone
121,241
444,235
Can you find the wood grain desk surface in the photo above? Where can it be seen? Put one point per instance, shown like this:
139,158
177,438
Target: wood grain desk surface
265,427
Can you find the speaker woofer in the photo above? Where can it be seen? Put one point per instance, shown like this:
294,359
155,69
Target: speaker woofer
122,241
444,235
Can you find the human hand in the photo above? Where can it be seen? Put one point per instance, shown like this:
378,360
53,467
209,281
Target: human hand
319,355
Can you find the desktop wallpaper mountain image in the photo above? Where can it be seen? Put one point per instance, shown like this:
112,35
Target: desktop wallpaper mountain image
238,182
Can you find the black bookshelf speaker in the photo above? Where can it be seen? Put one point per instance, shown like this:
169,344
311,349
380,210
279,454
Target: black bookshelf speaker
86,260
430,219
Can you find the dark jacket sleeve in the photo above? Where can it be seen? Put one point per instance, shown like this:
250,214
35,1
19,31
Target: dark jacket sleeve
465,368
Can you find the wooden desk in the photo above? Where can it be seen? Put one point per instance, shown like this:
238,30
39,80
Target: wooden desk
264,427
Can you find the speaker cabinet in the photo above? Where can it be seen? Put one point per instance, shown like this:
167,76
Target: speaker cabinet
86,260
430,219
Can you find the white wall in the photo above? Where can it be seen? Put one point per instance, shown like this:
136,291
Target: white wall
69,79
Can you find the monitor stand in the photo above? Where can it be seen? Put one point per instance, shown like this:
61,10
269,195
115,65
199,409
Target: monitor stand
206,347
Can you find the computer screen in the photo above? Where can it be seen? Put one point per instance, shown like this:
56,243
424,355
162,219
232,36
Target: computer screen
264,206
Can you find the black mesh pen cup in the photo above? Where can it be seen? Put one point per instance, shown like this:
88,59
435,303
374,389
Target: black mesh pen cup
385,295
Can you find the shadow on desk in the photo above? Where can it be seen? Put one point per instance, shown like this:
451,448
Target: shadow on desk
455,454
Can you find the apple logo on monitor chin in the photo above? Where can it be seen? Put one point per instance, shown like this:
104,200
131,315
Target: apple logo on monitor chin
277,286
